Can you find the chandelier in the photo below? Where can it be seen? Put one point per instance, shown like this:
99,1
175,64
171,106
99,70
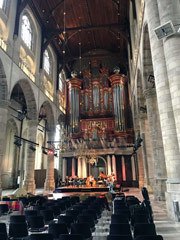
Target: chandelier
92,160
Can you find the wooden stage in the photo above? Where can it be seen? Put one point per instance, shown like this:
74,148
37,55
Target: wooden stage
83,188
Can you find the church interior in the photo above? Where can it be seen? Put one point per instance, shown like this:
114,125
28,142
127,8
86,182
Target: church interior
90,104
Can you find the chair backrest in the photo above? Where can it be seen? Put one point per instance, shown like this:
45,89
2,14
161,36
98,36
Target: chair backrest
86,218
35,222
144,229
71,237
41,236
3,229
47,214
28,213
119,237
17,219
81,228
57,228
66,219
18,230
119,219
3,236
4,208
120,229
157,237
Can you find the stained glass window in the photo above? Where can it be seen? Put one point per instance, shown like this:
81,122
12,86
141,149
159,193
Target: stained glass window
26,31
46,62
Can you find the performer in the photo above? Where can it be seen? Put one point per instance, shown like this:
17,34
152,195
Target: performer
91,179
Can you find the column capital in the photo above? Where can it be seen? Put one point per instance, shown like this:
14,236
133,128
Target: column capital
150,93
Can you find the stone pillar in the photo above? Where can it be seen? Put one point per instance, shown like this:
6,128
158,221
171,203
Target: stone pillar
169,135
29,181
64,169
73,167
109,165
84,167
79,170
160,175
3,122
123,169
114,166
49,182
133,165
144,151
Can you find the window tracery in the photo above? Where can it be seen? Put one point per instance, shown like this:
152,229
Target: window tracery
26,31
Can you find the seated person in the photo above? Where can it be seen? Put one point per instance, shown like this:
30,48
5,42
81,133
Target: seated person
66,181
91,180
76,181
71,181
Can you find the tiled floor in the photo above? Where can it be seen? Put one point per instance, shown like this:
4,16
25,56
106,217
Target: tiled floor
168,229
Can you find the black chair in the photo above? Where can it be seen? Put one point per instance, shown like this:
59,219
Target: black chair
29,213
3,229
119,237
18,230
71,237
17,219
87,219
48,215
41,236
73,213
144,229
4,209
3,236
6,199
56,210
120,229
157,237
66,220
56,229
119,219
139,218
36,224
81,228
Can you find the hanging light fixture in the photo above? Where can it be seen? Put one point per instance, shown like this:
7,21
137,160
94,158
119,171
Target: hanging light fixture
64,30
80,58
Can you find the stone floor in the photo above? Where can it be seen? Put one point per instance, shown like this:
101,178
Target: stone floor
170,230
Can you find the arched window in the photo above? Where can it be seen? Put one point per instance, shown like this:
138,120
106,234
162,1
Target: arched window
46,62
4,5
26,31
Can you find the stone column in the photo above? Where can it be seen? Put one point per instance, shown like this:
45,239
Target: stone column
64,169
160,175
123,169
84,167
133,165
29,181
109,165
143,149
49,182
3,122
73,167
79,170
169,135
114,165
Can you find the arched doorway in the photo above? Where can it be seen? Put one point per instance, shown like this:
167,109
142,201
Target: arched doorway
99,166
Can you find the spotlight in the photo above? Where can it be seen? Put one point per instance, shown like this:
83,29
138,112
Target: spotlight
32,148
50,152
17,142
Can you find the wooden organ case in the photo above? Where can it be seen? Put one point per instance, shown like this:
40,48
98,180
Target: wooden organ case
98,105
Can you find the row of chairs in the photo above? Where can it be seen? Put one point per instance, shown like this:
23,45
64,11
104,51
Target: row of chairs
132,219
76,218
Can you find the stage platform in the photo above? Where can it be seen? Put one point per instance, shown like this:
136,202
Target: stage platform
98,188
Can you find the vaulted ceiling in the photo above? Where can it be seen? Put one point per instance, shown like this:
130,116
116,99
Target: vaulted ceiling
89,25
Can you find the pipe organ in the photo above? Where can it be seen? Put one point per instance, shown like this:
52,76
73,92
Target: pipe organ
98,105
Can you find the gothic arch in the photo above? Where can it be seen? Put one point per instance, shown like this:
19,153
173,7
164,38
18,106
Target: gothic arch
50,115
29,97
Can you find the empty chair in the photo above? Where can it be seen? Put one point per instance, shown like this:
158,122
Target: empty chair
39,208
3,236
120,229
87,218
47,215
119,219
71,237
139,218
81,228
119,237
29,213
56,210
91,212
36,223
73,213
4,209
66,219
41,236
18,230
157,237
17,219
56,229
3,229
74,200
144,229
6,199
